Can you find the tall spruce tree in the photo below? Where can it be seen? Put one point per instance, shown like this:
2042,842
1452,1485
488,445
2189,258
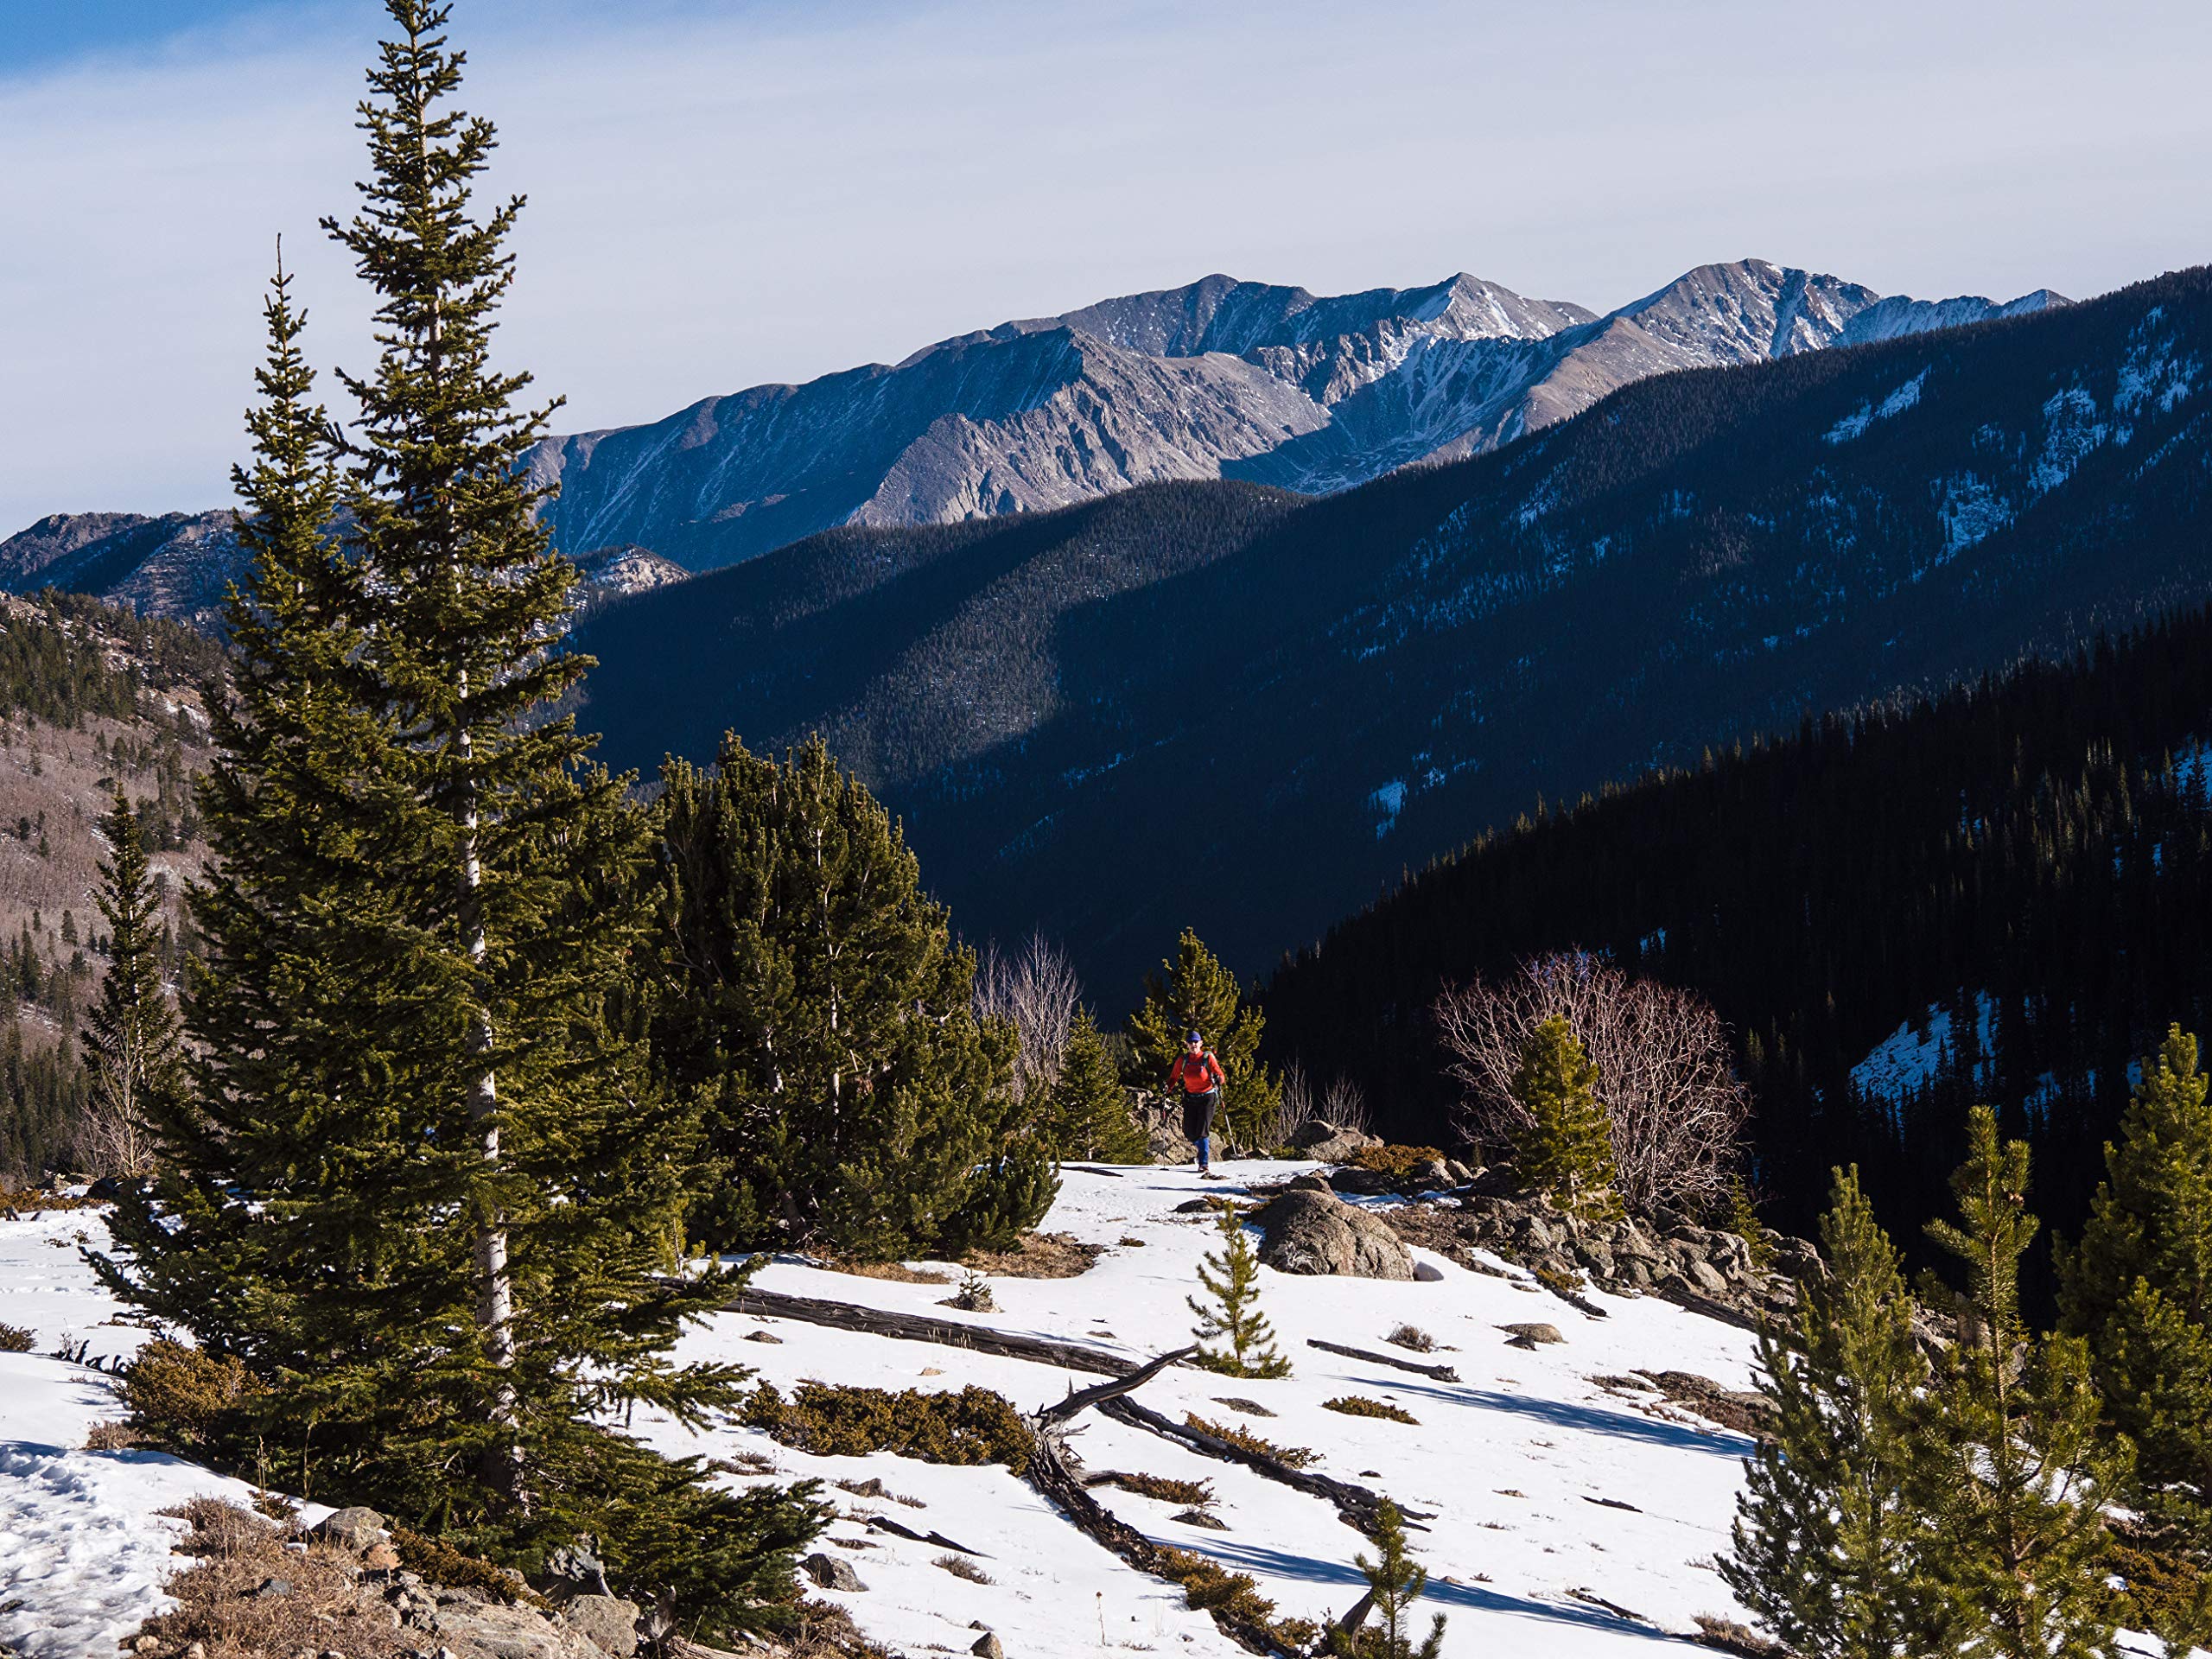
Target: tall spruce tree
2138,1289
130,1038
820,1017
1195,991
426,1193
2009,1457
1826,1548
1567,1149
1088,1108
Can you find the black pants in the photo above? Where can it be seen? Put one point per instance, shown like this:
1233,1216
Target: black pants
1197,1114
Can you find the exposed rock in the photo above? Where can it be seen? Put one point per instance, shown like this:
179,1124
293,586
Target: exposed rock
1167,1144
608,1623
1664,1254
1312,1181
380,1558
1315,1233
472,1629
355,1529
830,1573
1321,1132
1532,1333
987,1646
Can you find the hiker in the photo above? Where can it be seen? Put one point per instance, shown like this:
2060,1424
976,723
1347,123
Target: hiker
1200,1074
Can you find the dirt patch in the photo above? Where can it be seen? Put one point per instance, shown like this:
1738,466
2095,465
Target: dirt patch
1431,1228
1039,1256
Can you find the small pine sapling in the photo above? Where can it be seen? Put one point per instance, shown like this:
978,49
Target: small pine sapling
1743,1222
1231,1277
1395,1583
1567,1148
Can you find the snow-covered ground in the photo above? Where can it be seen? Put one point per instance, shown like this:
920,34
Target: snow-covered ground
1542,1484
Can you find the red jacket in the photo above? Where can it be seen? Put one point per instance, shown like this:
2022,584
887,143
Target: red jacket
1196,1076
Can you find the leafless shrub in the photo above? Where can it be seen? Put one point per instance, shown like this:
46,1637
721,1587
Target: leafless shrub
960,1567
1664,1070
1036,990
1346,1107
1341,1105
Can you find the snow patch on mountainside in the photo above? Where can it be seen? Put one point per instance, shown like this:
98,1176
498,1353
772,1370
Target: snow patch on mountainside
1918,1051
1854,425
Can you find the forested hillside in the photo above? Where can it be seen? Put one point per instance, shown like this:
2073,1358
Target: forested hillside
2002,894
1213,705
91,698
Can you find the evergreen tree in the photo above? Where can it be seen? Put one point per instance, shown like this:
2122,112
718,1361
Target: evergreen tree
1197,992
1826,1550
1394,1582
1088,1107
1567,1148
129,1040
426,1193
820,1015
1230,1276
2010,1460
2139,1290
2139,1286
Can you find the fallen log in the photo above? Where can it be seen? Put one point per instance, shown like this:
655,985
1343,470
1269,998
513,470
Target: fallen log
1357,1506
922,1327
1099,1392
1441,1373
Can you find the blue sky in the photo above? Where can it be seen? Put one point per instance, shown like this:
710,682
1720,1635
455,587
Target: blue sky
725,193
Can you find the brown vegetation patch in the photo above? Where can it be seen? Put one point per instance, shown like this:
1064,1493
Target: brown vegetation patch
1193,1494
35,1198
228,1599
441,1563
1297,1457
14,1339
960,1567
1212,1589
1396,1161
1039,1256
1358,1405
971,1426
896,1272
176,1394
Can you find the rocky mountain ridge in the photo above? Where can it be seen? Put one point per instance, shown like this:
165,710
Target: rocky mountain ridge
177,565
1235,709
1218,378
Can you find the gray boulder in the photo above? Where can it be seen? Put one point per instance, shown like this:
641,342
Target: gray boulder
1318,1234
608,1623
831,1573
355,1529
1168,1145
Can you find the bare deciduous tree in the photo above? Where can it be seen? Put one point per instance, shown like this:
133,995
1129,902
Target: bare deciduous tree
1341,1105
1035,988
1665,1072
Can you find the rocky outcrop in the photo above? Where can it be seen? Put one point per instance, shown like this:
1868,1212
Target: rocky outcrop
1309,1232
1664,1254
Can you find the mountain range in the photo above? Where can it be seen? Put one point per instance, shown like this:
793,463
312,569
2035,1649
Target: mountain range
177,565
1219,378
1227,705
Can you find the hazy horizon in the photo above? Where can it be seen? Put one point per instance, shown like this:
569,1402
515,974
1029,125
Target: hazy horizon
725,195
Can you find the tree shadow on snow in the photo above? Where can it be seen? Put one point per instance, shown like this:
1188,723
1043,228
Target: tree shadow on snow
1260,1560
1582,1419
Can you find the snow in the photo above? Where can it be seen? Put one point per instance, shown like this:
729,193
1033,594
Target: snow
1387,803
84,1547
1919,1050
1510,1461
1854,425
1971,512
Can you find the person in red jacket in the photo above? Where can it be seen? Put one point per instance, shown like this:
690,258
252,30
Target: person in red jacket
1200,1078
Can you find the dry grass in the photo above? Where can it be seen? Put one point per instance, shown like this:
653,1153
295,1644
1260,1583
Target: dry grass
236,1554
1038,1256
896,1272
112,1437
960,1567
1413,1337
